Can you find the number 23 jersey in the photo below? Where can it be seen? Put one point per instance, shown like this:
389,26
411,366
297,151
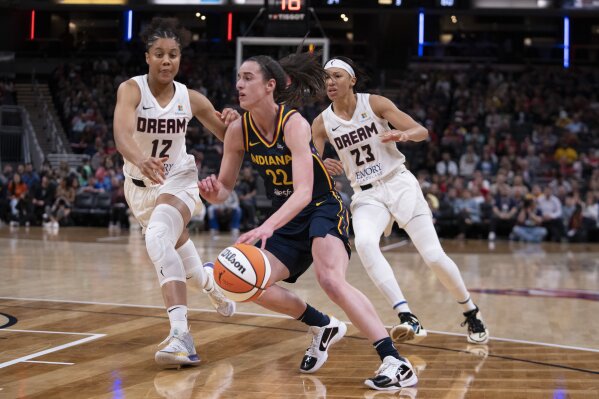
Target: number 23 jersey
357,142
160,131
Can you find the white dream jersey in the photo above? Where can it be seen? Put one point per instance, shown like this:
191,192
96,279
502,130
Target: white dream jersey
161,131
365,158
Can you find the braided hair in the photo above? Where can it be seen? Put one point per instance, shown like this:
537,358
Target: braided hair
165,28
298,77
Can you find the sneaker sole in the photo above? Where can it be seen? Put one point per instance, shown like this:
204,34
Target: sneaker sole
401,333
402,384
482,342
320,362
168,360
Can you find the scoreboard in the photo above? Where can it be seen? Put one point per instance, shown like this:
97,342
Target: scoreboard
285,10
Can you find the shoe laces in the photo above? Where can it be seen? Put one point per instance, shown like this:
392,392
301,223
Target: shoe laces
173,340
388,369
316,333
475,324
407,317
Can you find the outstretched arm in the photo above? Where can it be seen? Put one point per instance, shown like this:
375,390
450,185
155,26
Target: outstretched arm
407,129
216,189
214,121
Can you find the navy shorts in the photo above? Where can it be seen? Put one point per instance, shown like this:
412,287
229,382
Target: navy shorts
292,243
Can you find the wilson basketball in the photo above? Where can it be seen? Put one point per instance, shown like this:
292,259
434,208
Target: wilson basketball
242,272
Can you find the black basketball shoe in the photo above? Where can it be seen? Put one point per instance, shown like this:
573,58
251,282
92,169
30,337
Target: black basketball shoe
323,338
409,327
477,332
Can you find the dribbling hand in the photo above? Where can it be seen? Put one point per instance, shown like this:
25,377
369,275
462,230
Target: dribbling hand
153,169
262,232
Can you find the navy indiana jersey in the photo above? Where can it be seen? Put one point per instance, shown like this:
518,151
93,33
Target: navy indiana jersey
273,160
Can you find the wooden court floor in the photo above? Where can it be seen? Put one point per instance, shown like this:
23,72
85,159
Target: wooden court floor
82,316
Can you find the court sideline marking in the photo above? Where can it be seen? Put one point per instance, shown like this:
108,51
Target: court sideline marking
577,348
90,337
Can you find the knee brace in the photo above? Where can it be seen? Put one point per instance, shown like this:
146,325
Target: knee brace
164,229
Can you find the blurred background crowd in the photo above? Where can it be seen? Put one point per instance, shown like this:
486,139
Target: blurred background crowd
511,154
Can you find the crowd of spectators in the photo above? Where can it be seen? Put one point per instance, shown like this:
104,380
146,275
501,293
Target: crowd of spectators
511,153
48,197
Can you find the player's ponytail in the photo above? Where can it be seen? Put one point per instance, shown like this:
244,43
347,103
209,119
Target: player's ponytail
298,77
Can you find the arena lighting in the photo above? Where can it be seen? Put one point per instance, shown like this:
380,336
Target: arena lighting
566,42
420,33
230,27
32,32
129,25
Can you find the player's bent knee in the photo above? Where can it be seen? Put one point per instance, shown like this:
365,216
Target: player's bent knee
155,241
364,244
330,284
161,250
433,257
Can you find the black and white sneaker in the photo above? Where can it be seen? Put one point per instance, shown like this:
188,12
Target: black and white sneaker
323,338
477,332
393,375
409,328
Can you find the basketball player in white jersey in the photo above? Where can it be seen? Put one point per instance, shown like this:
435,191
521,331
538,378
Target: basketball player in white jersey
357,125
150,122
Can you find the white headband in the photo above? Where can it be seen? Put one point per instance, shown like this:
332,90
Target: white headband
337,63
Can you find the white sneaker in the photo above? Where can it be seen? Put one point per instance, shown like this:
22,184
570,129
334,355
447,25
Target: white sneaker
492,236
179,351
408,329
393,375
477,332
223,305
323,338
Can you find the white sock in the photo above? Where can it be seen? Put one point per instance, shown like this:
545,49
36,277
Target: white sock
194,271
425,239
402,307
177,315
467,305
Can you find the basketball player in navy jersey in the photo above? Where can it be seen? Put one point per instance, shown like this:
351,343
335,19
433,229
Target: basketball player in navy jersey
357,125
309,222
150,122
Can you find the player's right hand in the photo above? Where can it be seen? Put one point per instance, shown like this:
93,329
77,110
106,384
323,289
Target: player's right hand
153,169
333,166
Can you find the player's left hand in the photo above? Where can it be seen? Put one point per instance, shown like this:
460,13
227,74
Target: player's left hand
395,135
262,232
228,115
333,166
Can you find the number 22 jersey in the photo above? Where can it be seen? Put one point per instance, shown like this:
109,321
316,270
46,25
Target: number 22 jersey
273,160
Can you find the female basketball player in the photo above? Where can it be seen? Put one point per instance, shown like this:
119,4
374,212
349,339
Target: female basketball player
150,122
309,221
357,125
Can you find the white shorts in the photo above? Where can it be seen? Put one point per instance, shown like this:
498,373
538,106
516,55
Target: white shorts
400,194
183,185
